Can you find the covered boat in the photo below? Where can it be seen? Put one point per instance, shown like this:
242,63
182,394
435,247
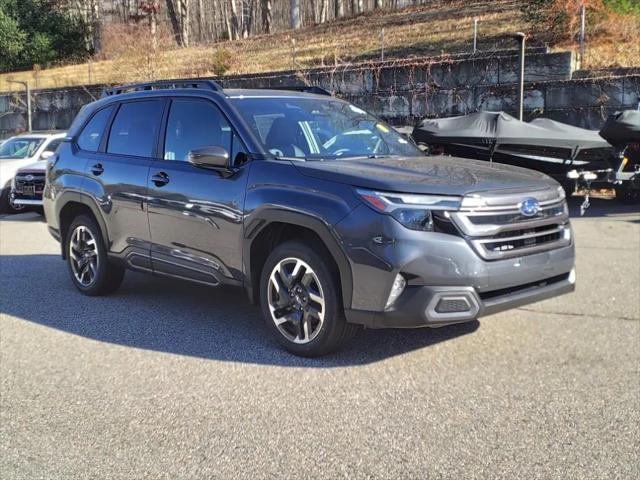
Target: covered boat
622,128
544,145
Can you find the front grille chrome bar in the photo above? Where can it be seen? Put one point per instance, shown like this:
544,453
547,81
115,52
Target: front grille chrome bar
497,229
552,214
525,244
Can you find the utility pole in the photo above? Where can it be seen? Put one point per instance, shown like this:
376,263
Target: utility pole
28,90
521,37
583,24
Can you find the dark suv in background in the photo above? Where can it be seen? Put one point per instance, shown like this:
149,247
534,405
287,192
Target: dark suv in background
325,215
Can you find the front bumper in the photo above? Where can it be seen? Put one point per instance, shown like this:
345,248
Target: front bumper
19,199
26,201
419,306
437,266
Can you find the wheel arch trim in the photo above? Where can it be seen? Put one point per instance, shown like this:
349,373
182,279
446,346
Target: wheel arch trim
79,198
268,216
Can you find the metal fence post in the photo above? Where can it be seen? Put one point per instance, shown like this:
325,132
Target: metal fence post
522,38
475,35
28,92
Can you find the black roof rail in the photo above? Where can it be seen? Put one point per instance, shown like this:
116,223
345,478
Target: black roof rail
304,88
162,84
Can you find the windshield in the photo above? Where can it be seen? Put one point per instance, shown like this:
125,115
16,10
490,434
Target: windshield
313,128
20,147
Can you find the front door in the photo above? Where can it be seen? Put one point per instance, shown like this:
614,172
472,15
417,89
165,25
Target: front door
196,214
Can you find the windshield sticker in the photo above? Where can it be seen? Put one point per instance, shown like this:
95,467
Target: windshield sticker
382,128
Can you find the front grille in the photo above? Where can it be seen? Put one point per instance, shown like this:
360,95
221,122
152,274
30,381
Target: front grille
521,239
497,229
29,184
513,218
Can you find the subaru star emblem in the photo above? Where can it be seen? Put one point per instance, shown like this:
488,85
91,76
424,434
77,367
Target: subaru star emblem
28,178
529,207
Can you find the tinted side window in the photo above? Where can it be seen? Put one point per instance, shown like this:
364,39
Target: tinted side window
193,124
53,145
135,128
91,135
238,151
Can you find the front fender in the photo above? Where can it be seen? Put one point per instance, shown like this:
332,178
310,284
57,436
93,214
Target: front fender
316,205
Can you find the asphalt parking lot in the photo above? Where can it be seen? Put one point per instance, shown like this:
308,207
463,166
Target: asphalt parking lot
172,380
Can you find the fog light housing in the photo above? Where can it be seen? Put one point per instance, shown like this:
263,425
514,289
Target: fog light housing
398,287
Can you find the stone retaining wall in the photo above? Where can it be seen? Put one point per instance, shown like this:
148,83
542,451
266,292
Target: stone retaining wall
401,91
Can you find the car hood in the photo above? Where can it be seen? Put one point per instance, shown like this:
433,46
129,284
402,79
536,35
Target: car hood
8,169
429,174
35,167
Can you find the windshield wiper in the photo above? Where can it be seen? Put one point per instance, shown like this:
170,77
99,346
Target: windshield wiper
293,159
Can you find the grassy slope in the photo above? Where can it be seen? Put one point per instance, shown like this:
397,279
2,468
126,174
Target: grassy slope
425,30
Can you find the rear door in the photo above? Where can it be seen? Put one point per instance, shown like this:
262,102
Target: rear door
195,214
118,177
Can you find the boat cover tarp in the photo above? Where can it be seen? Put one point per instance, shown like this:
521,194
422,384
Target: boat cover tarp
502,128
622,128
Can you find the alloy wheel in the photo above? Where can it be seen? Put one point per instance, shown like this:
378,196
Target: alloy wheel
83,253
296,300
16,207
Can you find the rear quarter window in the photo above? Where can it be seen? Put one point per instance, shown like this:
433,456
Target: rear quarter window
91,135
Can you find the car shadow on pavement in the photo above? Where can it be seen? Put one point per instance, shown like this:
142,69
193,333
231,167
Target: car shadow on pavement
22,217
604,207
180,318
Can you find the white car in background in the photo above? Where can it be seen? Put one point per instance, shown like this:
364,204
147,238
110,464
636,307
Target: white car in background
21,151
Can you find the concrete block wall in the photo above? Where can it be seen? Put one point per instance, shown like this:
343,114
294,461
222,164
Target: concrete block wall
52,109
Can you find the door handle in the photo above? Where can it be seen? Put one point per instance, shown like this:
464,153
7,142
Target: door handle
160,179
97,169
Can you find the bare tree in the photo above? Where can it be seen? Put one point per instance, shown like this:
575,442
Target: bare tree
201,20
295,14
184,21
339,8
175,21
247,17
89,14
151,8
266,15
235,25
324,10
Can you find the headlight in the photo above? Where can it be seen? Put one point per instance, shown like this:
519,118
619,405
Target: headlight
562,193
412,211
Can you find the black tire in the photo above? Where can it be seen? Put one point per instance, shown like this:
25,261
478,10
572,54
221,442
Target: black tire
628,196
108,276
5,203
334,330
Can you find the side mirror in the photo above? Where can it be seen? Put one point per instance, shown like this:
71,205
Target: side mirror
209,157
46,155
